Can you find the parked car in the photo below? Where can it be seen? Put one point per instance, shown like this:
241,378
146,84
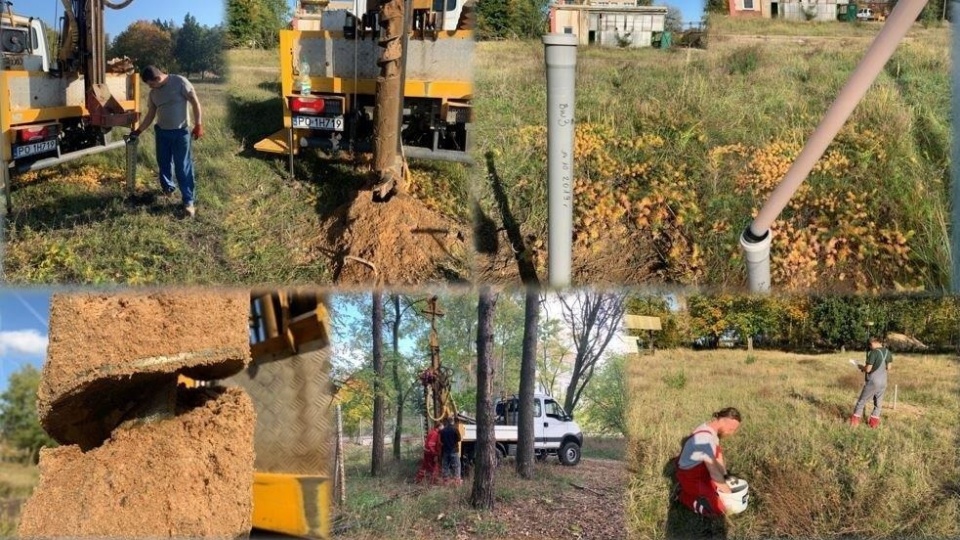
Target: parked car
865,14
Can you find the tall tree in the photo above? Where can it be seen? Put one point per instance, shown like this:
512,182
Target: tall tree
592,319
256,23
605,401
673,22
402,385
18,413
376,460
189,47
214,43
481,497
528,380
146,44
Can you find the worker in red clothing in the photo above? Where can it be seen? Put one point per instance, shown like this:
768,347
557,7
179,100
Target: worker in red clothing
701,469
430,466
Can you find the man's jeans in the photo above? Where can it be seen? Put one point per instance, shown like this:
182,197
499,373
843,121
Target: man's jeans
451,466
173,148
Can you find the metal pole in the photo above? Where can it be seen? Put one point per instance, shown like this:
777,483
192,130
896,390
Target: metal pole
132,144
882,48
560,52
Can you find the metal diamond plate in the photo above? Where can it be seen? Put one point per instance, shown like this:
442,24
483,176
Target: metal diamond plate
295,430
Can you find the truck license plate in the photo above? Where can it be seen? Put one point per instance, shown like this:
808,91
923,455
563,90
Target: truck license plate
318,122
34,148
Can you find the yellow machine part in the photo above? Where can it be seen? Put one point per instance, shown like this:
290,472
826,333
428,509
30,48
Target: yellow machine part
293,504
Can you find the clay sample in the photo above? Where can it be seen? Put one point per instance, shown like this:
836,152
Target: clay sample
107,352
188,475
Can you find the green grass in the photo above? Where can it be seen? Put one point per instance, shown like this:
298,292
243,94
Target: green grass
16,483
720,25
810,474
603,447
683,108
71,224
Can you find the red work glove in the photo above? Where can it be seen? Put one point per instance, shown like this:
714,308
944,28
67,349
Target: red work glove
197,131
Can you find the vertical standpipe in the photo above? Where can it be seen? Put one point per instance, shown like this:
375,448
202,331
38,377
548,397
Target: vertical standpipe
560,51
755,241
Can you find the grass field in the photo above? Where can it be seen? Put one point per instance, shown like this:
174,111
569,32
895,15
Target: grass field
810,474
71,223
16,483
677,149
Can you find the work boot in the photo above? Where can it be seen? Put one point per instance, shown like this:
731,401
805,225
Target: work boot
855,420
873,421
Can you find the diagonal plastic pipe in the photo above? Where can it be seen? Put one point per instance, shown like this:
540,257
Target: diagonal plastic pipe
560,53
755,240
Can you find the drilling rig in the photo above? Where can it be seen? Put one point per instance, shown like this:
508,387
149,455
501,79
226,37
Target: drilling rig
390,77
61,106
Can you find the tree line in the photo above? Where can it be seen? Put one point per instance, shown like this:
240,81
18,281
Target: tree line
803,323
187,49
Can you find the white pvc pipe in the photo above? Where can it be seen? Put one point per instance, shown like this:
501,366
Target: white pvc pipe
560,52
756,252
880,51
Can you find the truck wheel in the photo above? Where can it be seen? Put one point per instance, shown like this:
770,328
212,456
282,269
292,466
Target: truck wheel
570,454
501,455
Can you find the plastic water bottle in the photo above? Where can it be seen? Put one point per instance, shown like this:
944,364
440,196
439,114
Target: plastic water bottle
305,78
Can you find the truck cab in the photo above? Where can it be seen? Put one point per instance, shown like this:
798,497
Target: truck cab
555,431
57,109
23,44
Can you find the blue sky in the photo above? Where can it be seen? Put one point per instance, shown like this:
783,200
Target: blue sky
692,9
207,12
24,319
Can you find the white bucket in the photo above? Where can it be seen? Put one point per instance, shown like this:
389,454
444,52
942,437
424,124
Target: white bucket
736,501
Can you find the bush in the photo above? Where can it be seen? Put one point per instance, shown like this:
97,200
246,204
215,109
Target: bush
677,380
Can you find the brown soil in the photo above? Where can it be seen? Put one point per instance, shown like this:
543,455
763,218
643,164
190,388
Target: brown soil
595,512
186,476
550,506
603,262
406,242
107,350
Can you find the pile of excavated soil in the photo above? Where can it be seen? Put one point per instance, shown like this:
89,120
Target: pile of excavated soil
405,241
190,475
106,350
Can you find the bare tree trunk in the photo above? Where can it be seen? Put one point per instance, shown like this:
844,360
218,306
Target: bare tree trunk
481,497
528,375
593,319
395,328
376,461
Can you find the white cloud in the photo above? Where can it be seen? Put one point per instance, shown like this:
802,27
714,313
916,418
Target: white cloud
27,342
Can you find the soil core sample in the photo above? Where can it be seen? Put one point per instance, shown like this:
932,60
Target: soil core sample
188,475
109,350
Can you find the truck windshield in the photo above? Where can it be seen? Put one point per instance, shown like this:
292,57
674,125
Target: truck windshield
554,410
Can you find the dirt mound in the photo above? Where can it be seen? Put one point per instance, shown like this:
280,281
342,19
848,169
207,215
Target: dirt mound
107,349
186,476
406,242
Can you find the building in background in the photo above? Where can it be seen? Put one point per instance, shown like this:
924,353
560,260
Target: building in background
609,23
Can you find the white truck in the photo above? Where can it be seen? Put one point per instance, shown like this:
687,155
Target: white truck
59,108
555,432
